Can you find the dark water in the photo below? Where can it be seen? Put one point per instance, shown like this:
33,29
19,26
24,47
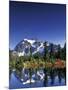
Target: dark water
39,78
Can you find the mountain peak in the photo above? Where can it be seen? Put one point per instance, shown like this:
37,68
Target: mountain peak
23,48
31,41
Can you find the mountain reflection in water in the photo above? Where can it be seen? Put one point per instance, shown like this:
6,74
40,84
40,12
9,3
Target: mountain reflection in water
28,78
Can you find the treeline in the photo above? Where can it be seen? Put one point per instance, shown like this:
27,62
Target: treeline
60,53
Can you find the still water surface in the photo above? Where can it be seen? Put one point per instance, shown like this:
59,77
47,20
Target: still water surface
38,79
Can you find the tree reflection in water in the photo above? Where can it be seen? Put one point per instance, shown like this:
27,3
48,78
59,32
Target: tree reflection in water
30,74
52,76
59,75
53,73
45,77
64,72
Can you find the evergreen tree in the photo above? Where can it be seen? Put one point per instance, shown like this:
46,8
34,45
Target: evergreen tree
59,52
63,52
52,54
51,50
45,51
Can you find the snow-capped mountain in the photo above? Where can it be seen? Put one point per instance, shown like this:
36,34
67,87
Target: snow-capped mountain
27,45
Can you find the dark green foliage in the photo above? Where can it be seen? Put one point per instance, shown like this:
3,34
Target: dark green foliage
52,56
62,52
45,51
59,52
36,56
51,51
19,64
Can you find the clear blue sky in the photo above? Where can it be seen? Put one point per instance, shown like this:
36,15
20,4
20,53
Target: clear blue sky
33,20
